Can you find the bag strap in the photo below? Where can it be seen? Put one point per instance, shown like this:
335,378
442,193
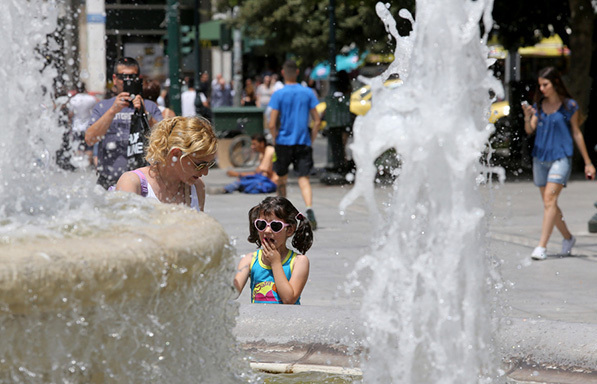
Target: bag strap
187,195
143,180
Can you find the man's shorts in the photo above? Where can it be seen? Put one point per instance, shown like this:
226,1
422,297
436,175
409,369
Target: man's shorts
300,156
557,171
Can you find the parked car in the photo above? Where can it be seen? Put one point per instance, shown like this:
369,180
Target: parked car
509,144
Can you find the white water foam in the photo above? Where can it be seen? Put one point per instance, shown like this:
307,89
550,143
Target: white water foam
172,334
426,297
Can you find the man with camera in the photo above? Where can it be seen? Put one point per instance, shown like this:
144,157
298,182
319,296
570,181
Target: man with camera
110,124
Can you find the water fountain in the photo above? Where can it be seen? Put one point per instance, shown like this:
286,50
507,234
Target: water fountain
96,287
427,311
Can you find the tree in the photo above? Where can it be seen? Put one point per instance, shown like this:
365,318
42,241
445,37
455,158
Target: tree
301,27
526,22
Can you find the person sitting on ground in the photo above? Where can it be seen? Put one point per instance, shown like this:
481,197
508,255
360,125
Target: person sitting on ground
278,275
263,179
181,150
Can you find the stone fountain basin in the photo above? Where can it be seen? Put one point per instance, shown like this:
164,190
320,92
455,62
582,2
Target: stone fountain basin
115,305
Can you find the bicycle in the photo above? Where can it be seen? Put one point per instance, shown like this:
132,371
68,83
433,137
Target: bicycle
240,153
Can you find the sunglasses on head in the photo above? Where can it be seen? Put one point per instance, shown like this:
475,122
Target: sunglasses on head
203,164
275,225
127,76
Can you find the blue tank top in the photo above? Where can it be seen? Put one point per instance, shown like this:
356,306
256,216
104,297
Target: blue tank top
554,139
263,288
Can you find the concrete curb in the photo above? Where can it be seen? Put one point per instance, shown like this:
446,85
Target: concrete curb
330,341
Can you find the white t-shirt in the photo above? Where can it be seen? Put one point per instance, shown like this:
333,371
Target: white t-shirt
187,102
81,105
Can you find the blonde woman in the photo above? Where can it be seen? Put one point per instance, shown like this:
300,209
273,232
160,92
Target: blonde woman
181,150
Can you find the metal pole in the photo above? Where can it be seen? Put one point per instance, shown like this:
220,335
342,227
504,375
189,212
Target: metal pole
335,148
174,55
197,45
237,66
332,47
197,51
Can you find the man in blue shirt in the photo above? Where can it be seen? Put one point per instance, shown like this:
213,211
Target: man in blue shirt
293,105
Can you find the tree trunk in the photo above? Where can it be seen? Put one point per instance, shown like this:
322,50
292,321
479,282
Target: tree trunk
579,80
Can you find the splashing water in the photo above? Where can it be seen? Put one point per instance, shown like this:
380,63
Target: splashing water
123,317
427,307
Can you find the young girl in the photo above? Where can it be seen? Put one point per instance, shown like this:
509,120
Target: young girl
555,119
278,275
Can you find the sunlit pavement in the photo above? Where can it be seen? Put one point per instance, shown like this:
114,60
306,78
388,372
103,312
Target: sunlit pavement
548,309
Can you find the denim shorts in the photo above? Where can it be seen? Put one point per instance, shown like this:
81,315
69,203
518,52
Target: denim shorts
557,171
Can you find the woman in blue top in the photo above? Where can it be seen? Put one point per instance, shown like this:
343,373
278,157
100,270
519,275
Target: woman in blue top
278,274
555,119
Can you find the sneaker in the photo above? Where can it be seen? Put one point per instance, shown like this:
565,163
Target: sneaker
539,253
567,245
311,218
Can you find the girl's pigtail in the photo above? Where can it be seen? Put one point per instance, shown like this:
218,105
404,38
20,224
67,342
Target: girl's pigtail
253,234
303,236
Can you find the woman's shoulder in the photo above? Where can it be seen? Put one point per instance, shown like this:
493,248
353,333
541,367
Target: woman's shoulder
570,107
571,104
132,180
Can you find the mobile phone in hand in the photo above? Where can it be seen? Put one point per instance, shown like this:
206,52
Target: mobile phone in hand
524,103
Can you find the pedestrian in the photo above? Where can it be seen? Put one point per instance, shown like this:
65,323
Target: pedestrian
110,124
221,94
205,85
80,106
263,179
278,274
554,117
249,99
293,104
187,99
181,150
152,91
264,92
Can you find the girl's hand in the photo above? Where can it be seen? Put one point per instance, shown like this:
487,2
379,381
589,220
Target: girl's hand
269,251
590,171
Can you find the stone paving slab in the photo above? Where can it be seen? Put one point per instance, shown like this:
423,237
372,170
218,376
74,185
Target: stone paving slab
556,293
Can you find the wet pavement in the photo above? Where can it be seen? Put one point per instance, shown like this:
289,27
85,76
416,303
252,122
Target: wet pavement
548,309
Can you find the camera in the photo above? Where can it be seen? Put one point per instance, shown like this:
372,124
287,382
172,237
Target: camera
133,86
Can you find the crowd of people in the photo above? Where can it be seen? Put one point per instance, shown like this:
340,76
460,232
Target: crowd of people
177,151
137,144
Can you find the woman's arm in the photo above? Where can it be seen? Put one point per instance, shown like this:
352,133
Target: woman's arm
242,272
530,119
582,148
266,165
129,182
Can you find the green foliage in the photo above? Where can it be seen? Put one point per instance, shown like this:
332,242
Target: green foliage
301,27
